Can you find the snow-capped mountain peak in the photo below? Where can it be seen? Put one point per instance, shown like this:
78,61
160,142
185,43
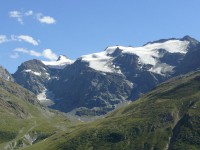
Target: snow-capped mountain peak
149,54
62,58
61,62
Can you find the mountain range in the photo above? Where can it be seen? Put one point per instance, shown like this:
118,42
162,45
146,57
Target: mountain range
96,84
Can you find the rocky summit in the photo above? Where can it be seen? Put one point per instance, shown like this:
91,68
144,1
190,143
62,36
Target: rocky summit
4,74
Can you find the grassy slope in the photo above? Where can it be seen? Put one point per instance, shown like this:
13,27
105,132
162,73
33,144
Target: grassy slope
22,116
166,118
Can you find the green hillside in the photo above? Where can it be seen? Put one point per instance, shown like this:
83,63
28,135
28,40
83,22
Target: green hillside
23,121
166,118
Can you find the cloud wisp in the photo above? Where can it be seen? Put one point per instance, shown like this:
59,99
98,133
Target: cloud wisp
19,16
3,39
14,55
19,38
45,19
46,53
29,52
26,38
28,13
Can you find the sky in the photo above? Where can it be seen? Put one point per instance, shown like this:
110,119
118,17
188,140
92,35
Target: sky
45,29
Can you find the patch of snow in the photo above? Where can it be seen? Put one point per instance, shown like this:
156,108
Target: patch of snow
35,73
47,74
46,97
60,63
44,69
161,68
31,139
8,78
156,70
103,73
42,96
99,61
57,78
172,46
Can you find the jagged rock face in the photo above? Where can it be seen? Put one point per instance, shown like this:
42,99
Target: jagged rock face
4,74
32,75
85,87
142,80
100,81
191,61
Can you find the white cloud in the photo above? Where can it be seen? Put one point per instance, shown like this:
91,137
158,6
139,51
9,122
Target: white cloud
29,52
14,56
17,15
24,38
34,53
47,53
28,39
22,50
3,39
19,38
28,13
45,19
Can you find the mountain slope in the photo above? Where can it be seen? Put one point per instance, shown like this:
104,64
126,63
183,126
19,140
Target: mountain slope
165,118
23,120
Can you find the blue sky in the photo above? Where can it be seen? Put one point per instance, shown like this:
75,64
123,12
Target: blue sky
45,29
